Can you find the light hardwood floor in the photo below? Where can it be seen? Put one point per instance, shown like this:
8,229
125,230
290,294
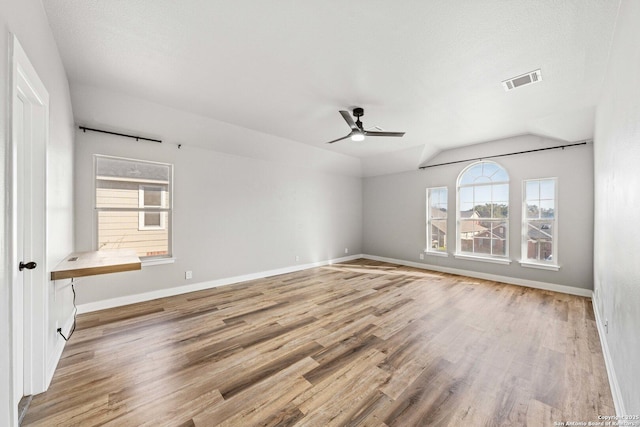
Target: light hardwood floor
360,343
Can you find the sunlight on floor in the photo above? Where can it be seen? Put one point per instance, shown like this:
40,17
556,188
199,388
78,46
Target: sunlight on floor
381,270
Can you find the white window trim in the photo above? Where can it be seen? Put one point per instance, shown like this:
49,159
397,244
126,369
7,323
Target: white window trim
146,261
157,261
141,215
443,254
429,250
541,266
472,255
531,263
492,259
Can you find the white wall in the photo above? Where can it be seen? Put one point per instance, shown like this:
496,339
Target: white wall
617,201
395,213
27,20
233,214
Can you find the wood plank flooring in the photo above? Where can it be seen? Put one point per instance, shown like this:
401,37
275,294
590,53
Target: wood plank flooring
359,344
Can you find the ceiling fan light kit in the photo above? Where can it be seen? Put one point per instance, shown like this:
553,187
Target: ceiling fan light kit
357,130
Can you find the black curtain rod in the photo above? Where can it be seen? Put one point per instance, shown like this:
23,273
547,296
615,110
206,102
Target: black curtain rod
137,138
504,155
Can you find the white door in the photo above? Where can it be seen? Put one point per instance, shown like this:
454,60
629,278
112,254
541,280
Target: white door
30,129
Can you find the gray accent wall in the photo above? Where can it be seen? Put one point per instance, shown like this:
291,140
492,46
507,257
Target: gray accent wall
233,215
395,209
617,200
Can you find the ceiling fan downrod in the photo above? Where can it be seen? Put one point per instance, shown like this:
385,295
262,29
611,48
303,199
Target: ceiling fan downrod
357,113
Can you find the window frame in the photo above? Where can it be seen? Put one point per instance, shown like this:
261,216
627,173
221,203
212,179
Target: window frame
168,223
428,249
142,226
552,264
478,256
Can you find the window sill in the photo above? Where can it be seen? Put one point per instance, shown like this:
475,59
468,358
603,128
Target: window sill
529,264
434,253
158,261
494,260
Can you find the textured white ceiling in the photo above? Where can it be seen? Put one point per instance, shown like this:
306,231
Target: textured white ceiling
430,68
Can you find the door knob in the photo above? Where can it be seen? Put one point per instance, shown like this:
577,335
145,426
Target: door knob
29,266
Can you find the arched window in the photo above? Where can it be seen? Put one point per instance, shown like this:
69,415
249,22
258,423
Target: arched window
483,211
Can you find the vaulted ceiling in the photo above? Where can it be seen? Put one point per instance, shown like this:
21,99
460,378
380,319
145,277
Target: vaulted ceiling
430,68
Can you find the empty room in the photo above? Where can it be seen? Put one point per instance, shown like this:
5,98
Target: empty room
287,213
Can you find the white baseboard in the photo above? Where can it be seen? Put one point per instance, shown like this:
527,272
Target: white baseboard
504,279
179,290
608,361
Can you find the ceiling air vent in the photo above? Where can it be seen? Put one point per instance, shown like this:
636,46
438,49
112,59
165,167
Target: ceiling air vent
522,80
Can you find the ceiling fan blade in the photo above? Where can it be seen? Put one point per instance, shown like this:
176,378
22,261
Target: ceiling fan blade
382,133
347,118
339,139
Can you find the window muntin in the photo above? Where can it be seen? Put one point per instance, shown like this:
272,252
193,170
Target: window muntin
483,210
152,196
437,219
539,225
133,206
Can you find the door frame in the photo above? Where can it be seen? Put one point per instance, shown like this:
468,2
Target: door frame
32,325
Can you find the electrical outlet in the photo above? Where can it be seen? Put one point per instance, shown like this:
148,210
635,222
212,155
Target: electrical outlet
188,275
421,256
297,258
346,250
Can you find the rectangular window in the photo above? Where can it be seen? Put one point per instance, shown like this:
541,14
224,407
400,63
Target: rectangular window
437,220
539,228
133,205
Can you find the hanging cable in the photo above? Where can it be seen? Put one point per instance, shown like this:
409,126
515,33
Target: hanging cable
75,312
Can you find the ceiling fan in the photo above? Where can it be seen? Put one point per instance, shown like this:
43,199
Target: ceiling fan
357,131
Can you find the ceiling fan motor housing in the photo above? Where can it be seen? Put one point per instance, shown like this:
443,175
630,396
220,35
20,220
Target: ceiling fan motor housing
357,113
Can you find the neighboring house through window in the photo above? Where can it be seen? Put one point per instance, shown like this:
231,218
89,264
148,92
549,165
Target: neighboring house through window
151,196
133,205
437,220
483,211
539,237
